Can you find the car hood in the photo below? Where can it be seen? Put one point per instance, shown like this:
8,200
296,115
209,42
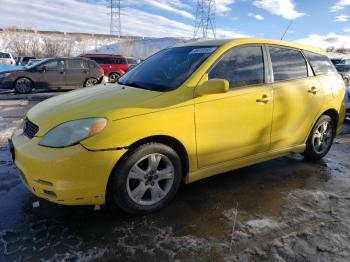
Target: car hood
12,70
110,101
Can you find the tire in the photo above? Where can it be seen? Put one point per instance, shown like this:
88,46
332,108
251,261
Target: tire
90,82
23,85
138,187
320,139
113,77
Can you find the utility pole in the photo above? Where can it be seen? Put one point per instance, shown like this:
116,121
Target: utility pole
115,27
205,19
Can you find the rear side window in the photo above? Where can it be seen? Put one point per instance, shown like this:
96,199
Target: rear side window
241,66
287,64
320,63
75,64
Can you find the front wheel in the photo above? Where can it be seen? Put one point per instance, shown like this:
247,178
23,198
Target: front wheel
23,85
90,82
147,179
321,138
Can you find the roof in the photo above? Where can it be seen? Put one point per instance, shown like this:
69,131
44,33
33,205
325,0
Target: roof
102,55
239,41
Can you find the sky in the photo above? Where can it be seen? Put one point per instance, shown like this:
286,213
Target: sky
318,22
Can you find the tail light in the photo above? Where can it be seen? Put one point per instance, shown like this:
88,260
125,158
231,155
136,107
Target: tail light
100,69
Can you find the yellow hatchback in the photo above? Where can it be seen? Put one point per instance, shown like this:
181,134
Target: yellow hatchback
186,113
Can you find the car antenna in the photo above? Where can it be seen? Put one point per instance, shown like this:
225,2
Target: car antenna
285,32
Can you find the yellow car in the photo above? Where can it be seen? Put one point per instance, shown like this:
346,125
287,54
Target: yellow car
186,113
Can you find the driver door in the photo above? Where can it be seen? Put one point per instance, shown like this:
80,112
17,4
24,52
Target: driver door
52,74
235,124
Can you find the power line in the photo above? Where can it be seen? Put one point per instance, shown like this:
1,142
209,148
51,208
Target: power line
115,27
205,19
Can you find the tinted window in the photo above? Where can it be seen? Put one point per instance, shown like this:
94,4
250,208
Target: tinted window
53,65
4,55
131,61
343,68
320,63
167,69
242,66
287,64
75,64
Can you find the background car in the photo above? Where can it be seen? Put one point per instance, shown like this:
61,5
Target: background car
6,59
347,102
61,73
344,71
114,66
23,60
33,61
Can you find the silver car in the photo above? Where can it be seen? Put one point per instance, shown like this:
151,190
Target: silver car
7,59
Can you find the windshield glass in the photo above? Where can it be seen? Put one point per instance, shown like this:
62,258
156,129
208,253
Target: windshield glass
167,69
37,64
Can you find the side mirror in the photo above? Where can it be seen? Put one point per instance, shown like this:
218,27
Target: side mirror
212,86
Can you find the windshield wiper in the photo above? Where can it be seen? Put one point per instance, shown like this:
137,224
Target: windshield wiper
132,84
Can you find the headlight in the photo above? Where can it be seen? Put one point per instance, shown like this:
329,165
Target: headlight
72,132
3,75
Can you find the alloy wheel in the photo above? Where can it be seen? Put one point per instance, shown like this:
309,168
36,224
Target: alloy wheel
90,82
150,179
322,137
23,85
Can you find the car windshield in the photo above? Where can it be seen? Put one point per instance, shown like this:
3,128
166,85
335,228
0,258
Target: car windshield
167,69
37,63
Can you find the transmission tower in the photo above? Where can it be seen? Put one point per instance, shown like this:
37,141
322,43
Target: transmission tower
115,27
205,19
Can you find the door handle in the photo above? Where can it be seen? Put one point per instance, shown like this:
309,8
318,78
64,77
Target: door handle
313,90
264,99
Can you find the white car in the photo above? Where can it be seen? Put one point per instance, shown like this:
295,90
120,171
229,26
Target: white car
7,59
347,102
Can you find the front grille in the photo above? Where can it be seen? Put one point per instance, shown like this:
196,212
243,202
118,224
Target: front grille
29,128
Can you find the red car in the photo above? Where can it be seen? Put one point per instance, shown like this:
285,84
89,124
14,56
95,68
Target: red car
114,66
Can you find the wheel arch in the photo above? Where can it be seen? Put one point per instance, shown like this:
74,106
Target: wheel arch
31,80
162,139
332,113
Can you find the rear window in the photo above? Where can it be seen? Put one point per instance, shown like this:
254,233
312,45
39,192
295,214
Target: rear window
4,55
320,63
287,63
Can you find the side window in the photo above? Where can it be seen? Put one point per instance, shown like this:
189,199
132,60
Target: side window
287,63
320,63
54,65
75,64
241,66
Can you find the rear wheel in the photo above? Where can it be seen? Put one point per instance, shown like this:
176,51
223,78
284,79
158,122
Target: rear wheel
321,138
147,179
90,82
23,85
113,77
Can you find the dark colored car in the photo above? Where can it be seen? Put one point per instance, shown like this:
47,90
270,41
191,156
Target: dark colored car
23,60
114,66
60,73
344,71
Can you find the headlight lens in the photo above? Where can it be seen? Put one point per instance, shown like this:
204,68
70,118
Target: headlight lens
72,132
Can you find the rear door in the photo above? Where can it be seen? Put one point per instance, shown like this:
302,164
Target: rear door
298,97
76,72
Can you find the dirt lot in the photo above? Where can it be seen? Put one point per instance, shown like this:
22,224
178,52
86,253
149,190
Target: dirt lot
282,210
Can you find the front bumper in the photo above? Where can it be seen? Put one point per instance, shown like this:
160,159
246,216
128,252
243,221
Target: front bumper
69,176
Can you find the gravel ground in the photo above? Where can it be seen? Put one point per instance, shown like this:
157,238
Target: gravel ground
282,210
